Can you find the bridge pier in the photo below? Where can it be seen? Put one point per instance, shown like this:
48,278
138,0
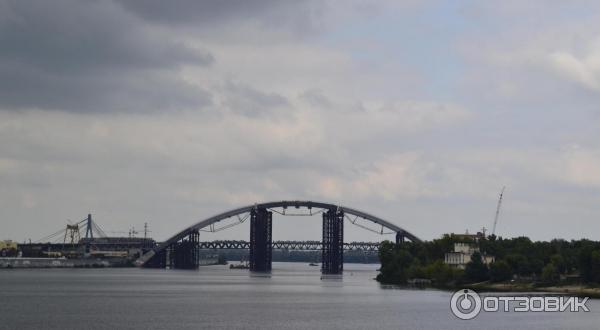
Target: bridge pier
158,260
332,259
260,239
183,254
400,237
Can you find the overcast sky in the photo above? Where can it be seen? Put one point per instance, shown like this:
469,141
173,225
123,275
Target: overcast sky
419,112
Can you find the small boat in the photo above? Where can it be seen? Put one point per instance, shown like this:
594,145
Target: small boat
313,264
242,265
239,266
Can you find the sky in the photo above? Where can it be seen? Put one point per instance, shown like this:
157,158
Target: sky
419,112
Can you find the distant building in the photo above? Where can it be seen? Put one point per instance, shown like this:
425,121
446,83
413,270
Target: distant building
470,237
8,248
8,245
462,255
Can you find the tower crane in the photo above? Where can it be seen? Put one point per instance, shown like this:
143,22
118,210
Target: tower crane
498,211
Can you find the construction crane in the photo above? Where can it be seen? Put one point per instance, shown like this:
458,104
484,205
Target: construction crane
498,211
72,234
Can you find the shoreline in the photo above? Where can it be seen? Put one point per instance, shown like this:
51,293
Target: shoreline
568,289
525,288
574,290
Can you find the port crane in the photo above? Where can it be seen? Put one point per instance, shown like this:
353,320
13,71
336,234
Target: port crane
72,234
498,210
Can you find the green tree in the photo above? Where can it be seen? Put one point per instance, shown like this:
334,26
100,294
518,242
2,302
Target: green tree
595,266
558,261
476,270
500,271
439,272
386,252
589,262
394,264
519,264
415,270
550,274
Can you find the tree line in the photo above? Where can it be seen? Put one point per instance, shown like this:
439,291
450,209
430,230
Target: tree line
519,258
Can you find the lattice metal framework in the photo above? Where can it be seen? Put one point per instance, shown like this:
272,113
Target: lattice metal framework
261,224
183,254
288,245
333,242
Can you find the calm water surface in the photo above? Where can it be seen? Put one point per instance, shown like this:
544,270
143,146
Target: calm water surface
215,297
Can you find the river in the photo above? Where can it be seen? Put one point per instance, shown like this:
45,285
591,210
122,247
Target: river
215,297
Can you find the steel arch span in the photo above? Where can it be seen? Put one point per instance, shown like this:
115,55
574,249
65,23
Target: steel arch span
400,232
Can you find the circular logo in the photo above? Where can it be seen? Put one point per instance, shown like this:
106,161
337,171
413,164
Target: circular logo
465,304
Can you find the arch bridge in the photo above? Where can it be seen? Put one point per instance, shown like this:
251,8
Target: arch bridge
181,251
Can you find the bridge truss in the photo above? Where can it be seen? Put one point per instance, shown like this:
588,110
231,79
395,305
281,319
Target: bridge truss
288,245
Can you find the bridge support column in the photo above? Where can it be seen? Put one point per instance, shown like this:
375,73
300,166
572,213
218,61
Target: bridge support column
260,240
332,259
158,260
184,254
400,237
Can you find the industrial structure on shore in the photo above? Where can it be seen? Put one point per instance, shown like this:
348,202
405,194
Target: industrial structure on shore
85,241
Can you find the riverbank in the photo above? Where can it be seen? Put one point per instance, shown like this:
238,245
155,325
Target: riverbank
520,287
13,262
570,289
62,263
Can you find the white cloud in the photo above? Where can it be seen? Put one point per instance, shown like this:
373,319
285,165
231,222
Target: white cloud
584,70
582,166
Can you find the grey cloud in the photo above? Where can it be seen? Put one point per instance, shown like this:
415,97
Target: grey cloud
248,101
24,87
86,56
183,11
316,98
298,17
